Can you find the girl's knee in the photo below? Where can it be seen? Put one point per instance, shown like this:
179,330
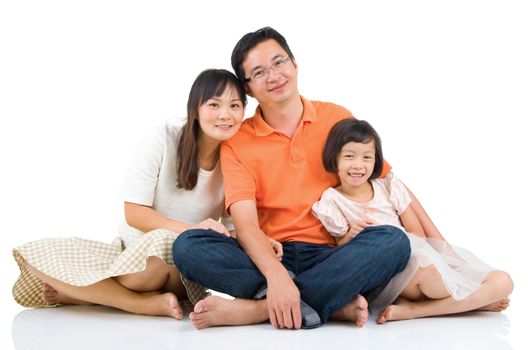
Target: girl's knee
502,282
429,271
429,276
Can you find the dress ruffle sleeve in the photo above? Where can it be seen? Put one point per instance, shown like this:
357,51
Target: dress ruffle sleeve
399,196
327,211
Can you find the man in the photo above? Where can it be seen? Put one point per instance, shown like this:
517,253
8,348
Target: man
273,173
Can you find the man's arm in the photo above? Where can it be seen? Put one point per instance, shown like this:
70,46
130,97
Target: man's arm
283,296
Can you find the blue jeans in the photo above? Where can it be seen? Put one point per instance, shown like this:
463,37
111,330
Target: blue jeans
327,277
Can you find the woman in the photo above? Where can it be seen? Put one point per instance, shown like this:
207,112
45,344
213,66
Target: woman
174,183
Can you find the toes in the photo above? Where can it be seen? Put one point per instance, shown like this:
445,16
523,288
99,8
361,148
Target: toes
48,288
196,317
201,306
381,318
385,315
175,308
361,322
198,321
199,325
362,302
50,297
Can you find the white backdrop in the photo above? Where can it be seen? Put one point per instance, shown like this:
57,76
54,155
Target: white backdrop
445,84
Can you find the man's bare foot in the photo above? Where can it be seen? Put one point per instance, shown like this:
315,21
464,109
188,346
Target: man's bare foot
400,310
355,311
157,304
216,311
497,306
53,297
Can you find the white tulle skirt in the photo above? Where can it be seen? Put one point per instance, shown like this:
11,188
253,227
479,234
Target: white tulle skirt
461,271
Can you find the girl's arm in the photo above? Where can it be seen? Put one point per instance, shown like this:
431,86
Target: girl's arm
411,222
146,219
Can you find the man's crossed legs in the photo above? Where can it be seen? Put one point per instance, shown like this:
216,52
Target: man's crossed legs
331,280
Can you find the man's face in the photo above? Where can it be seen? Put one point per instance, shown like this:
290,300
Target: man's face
273,75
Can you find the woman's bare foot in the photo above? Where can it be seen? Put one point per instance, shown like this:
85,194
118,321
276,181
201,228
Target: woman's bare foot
216,311
49,295
497,306
53,297
157,304
400,310
355,311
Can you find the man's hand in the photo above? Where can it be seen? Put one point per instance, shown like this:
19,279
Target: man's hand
284,301
277,248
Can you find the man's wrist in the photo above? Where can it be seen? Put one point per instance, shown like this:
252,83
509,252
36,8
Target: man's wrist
275,270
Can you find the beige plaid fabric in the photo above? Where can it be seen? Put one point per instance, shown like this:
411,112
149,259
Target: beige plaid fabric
81,262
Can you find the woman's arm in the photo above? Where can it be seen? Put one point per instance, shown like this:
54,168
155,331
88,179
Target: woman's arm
427,224
411,223
146,219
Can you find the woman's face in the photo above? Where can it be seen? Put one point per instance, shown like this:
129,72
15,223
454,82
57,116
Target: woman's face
220,117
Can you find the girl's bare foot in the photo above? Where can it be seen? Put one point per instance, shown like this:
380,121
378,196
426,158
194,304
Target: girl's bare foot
497,306
216,311
52,297
400,310
355,311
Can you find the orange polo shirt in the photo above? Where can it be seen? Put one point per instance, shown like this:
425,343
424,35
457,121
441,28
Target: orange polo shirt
283,175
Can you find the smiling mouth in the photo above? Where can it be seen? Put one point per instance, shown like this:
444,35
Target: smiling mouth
356,175
278,87
224,127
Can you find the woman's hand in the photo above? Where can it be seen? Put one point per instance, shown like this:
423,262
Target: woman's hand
210,224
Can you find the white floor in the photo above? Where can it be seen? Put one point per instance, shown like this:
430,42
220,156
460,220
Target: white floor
98,328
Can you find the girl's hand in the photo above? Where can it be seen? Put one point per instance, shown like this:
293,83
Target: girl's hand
277,247
210,224
353,229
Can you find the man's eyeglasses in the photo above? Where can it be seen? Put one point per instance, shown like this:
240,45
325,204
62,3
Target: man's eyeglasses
263,73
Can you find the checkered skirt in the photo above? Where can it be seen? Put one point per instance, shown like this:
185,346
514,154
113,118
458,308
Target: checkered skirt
81,262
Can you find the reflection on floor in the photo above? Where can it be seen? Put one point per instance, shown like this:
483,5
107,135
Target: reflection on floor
98,328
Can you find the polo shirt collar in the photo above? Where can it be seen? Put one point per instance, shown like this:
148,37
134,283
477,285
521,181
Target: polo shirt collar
263,129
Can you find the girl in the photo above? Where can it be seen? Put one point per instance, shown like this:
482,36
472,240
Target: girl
439,279
174,183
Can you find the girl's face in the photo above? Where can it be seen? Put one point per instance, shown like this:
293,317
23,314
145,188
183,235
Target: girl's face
220,117
355,163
